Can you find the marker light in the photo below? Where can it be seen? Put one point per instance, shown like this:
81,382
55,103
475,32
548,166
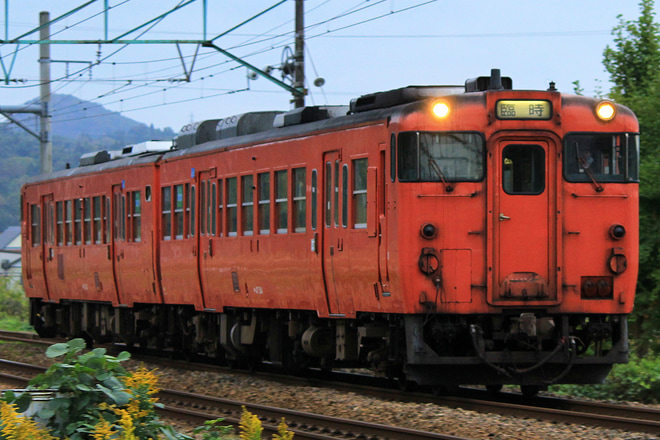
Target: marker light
606,110
440,109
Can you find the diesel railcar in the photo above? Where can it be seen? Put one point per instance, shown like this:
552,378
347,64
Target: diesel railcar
440,235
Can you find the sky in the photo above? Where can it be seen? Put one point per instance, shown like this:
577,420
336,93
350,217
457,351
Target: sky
357,46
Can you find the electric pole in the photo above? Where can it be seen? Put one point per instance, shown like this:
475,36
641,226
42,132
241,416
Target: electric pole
46,144
299,56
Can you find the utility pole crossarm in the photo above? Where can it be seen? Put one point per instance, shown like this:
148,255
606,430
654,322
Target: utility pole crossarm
293,90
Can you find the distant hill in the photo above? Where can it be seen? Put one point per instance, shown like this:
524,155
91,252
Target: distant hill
78,127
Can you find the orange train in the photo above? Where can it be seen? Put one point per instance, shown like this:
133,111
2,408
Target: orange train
438,234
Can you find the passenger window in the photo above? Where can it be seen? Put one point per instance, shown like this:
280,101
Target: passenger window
203,206
263,182
87,219
59,220
336,193
299,199
167,212
247,205
35,231
96,215
219,214
232,207
212,209
68,222
360,193
178,211
77,219
344,196
281,202
523,169
191,203
314,199
136,224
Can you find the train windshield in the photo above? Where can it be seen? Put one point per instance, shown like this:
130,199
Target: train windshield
436,157
601,157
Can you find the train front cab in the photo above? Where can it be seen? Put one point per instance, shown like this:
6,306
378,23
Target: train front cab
542,228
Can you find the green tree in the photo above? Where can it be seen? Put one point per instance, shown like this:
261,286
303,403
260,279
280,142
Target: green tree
634,67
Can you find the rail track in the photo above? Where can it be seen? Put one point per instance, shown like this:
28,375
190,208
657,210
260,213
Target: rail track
196,408
616,416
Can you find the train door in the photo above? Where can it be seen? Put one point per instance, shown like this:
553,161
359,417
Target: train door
133,240
179,245
118,238
524,180
39,246
48,207
331,239
210,197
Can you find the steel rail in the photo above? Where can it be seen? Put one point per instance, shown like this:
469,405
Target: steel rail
617,416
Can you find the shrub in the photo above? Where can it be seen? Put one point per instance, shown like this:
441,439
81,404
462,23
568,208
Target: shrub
638,381
97,399
12,300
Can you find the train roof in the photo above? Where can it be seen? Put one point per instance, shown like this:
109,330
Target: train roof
248,128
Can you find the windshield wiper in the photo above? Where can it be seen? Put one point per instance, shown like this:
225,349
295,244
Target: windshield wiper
435,167
585,166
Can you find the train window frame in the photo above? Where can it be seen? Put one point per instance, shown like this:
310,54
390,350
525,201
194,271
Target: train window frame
77,222
178,209
203,208
479,167
106,214
212,205
136,220
166,213
299,197
327,201
87,220
536,174
336,192
192,202
577,164
263,201
59,222
247,205
97,222
50,223
232,206
359,192
281,194
314,201
344,195
219,208
35,224
393,157
68,222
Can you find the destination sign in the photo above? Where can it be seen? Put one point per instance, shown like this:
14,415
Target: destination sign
523,109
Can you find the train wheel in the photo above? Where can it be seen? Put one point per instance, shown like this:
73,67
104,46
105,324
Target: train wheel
529,390
494,389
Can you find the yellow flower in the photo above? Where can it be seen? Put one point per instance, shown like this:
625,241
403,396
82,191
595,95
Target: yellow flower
142,378
14,426
283,432
102,430
250,426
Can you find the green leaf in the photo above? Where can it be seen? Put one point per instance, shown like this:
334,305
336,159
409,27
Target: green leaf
77,345
83,387
46,413
56,350
59,403
8,396
123,356
23,401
